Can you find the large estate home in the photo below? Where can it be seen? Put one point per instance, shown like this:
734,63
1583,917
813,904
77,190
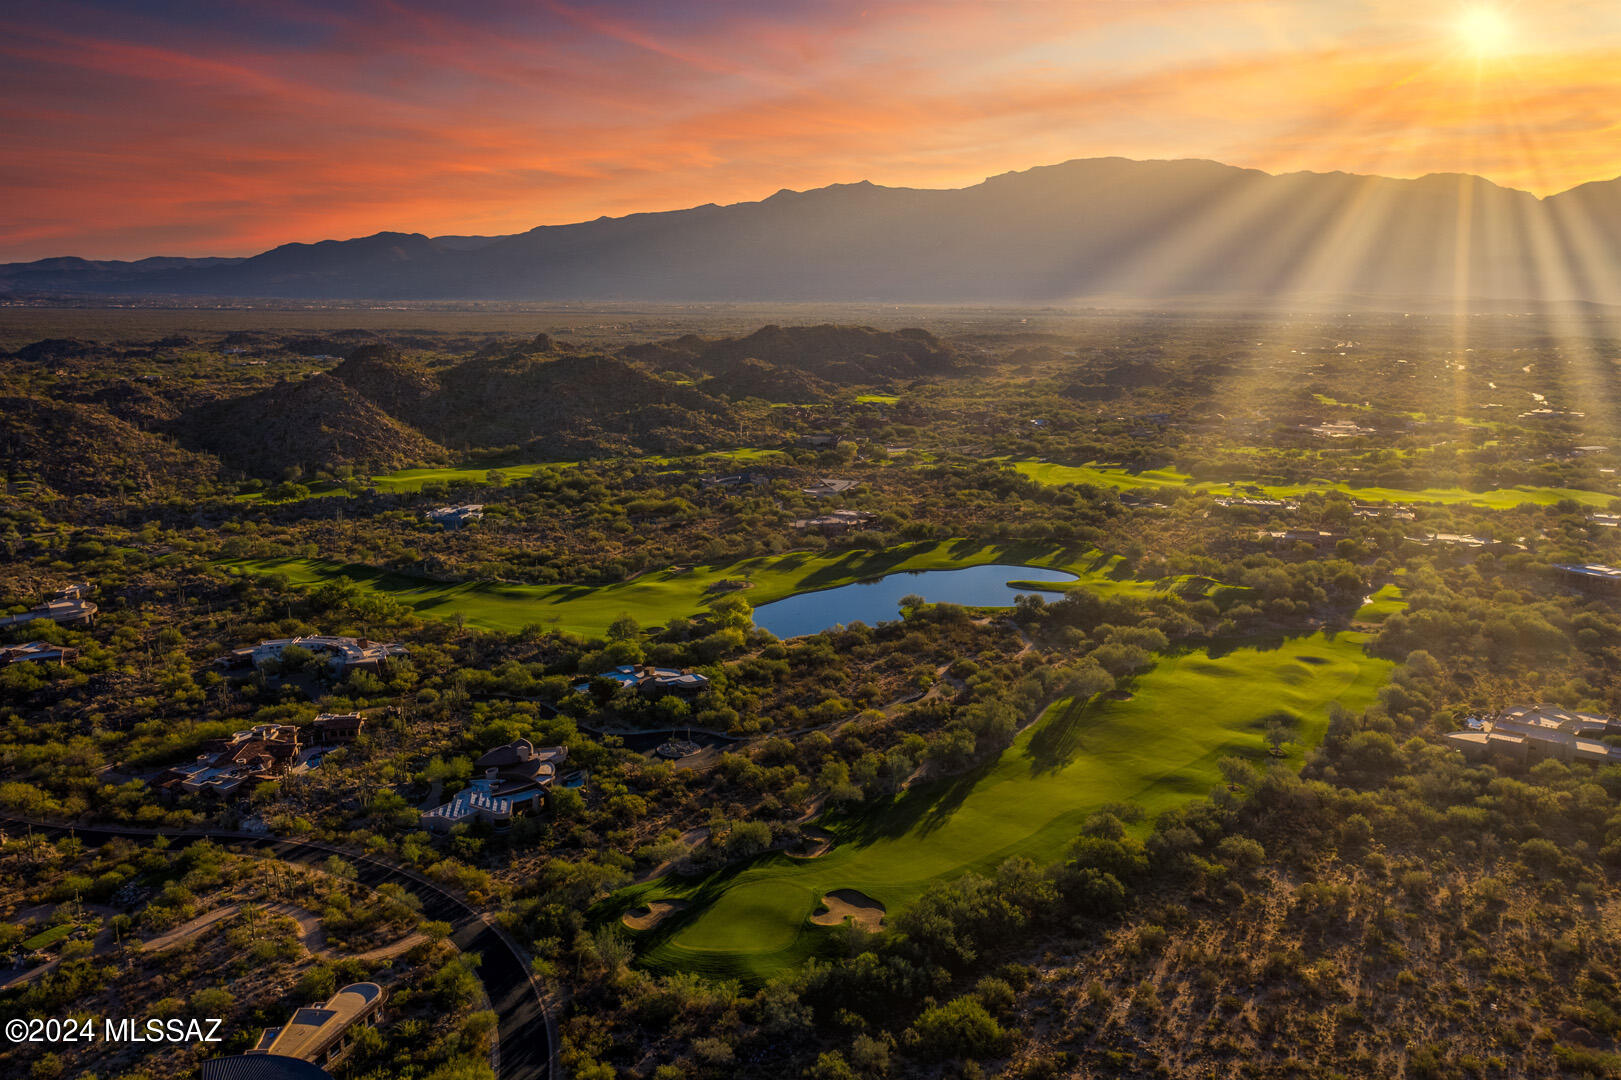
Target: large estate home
37,651
344,654
514,780
337,728
454,517
1532,732
840,521
650,680
263,752
68,608
316,1036
1591,577
828,486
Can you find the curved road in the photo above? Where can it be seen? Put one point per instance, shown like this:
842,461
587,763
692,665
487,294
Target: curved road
525,1044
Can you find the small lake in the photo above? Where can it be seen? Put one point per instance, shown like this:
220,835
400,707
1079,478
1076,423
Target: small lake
873,602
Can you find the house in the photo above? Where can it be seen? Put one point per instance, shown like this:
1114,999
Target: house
333,729
321,1034
38,652
1320,539
1532,732
514,780
1591,577
840,521
652,680
263,752
454,517
1396,511
70,607
752,478
343,654
827,487
819,441
1256,503
260,1066
1462,540
1339,429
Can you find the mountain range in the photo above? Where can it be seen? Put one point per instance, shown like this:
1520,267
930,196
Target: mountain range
1104,228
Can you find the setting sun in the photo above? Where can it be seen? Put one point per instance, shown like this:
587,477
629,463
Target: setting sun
1485,31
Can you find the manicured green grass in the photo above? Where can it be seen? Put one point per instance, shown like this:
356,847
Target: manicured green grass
1125,480
1384,603
655,598
410,480
1157,749
49,937
877,399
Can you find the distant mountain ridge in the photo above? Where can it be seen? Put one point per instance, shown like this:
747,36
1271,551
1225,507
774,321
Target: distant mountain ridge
1088,229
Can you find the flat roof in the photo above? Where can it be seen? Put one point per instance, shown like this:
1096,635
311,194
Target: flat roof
315,1027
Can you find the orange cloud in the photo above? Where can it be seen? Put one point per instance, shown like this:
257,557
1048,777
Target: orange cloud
203,139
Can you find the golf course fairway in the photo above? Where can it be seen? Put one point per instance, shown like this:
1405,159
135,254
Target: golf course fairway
1157,748
1169,479
653,599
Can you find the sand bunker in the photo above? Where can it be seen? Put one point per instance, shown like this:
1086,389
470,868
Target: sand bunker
645,918
842,904
813,843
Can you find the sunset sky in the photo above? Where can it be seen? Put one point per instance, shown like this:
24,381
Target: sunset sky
208,128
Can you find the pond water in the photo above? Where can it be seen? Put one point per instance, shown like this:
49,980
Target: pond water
873,602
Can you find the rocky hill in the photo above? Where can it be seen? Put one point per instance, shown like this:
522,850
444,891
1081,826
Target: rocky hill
312,423
78,448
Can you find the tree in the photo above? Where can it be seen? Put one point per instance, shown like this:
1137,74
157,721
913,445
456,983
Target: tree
961,1028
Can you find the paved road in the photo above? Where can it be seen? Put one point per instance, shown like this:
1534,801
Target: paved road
526,1045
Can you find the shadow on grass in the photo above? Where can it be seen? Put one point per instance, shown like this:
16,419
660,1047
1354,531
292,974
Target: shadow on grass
1269,641
1057,739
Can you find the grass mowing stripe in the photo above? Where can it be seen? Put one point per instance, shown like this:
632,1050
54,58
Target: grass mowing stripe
1158,748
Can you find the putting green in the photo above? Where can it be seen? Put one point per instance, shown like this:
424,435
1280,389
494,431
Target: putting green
655,598
1159,479
1158,748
